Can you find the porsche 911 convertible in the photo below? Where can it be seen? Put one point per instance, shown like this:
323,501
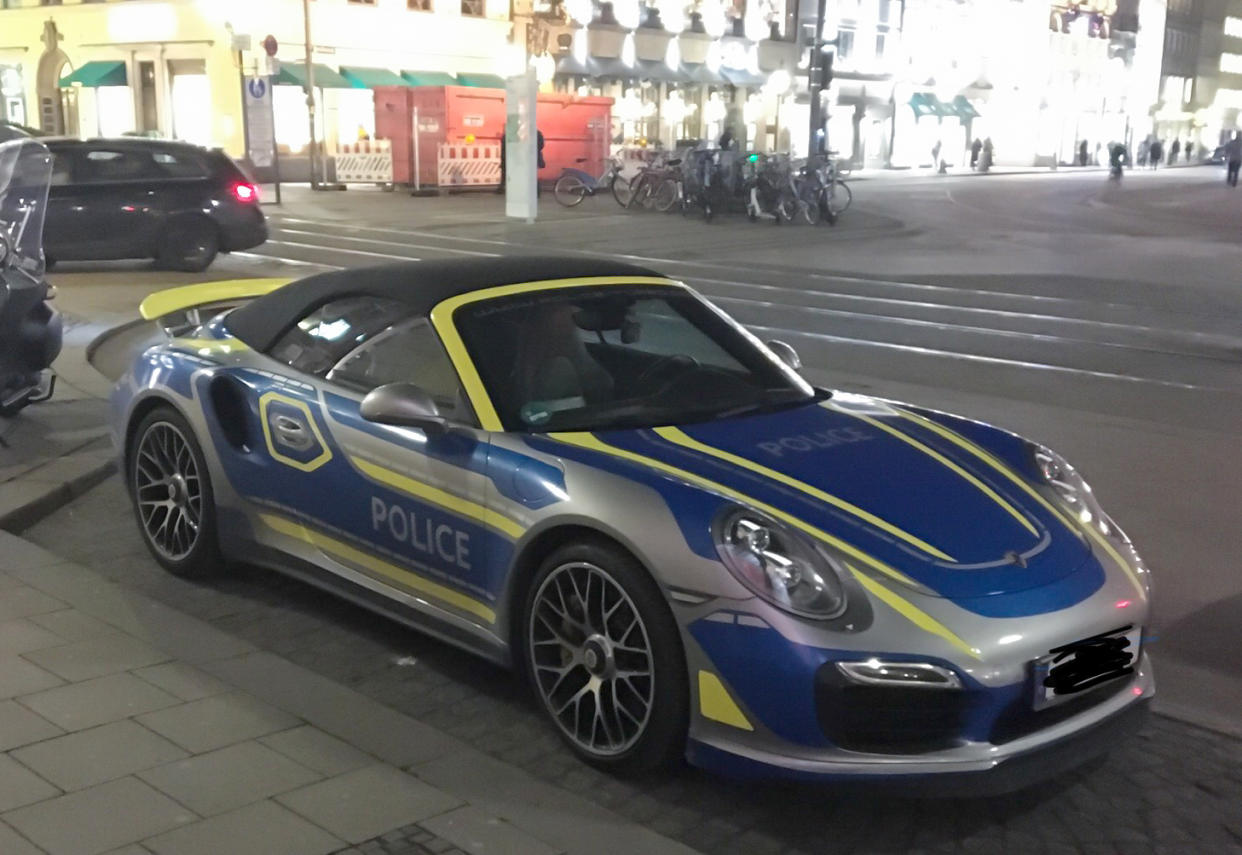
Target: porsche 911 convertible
586,471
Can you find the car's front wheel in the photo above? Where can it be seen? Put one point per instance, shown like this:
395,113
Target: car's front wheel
172,497
604,656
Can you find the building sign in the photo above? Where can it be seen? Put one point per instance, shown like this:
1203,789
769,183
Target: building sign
472,121
260,124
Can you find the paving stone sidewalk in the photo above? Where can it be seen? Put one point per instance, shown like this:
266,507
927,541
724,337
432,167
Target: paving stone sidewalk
128,726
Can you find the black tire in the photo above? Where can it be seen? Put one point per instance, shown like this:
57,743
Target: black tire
622,191
659,740
198,555
570,190
841,198
667,196
189,245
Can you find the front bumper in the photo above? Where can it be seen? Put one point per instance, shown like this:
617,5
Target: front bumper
968,768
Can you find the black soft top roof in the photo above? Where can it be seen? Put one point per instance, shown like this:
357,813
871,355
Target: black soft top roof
420,284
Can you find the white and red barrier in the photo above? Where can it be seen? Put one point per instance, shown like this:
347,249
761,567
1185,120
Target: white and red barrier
468,164
364,162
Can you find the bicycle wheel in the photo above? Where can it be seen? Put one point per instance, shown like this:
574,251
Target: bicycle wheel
622,191
840,197
808,206
666,197
570,190
644,193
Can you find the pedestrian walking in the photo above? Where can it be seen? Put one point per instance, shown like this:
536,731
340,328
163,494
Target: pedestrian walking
1144,150
1233,155
985,161
1082,153
1174,151
1189,147
936,155
975,148
539,161
1156,154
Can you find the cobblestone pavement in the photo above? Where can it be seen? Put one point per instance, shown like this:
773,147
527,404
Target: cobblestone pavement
1175,789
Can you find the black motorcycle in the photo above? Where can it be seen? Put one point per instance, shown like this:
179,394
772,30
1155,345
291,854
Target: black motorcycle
30,329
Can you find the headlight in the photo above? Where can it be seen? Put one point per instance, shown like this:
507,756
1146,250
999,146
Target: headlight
779,565
1074,494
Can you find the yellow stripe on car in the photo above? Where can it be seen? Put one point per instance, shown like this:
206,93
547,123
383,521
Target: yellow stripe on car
1073,524
939,458
717,704
442,498
344,551
590,442
916,615
442,320
913,613
185,297
680,437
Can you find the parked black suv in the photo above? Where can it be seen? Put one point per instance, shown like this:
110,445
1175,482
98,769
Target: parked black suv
138,198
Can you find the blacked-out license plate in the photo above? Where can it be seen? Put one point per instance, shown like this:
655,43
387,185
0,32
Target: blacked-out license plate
1074,668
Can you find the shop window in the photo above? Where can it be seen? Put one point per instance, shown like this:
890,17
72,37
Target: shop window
1231,63
474,8
419,5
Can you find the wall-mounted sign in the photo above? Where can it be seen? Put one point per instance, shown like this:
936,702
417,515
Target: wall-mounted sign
472,121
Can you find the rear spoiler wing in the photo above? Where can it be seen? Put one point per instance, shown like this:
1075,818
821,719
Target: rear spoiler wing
178,310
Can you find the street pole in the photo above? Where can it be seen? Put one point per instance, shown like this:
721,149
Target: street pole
310,95
813,80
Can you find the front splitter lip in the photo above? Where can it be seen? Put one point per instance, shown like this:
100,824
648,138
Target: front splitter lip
1071,738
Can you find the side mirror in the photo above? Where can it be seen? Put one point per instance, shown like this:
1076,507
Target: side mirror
787,354
403,405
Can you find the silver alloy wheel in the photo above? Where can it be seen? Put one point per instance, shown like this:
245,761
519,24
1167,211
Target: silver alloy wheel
168,491
591,656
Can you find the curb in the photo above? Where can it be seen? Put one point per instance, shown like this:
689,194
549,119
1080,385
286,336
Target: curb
24,516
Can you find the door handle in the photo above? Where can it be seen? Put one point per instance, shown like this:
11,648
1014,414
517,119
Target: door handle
291,433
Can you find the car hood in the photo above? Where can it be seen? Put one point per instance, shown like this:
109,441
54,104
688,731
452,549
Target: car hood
878,478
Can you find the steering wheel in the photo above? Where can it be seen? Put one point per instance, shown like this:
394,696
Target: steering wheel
681,361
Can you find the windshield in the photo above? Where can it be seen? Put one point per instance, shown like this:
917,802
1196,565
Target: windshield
25,174
597,358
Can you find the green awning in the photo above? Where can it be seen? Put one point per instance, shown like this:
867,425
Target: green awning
429,78
480,81
927,104
98,73
294,74
369,78
964,108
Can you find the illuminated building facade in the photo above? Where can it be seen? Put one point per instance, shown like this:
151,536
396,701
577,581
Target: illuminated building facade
1201,75
172,67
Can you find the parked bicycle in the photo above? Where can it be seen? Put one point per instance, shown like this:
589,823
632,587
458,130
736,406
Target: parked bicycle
574,185
653,186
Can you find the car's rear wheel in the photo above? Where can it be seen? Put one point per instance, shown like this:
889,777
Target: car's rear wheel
190,245
604,657
172,497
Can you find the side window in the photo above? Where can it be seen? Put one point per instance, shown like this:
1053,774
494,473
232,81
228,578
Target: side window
101,165
179,164
321,339
410,353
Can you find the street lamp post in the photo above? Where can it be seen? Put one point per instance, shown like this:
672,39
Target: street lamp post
310,96
819,77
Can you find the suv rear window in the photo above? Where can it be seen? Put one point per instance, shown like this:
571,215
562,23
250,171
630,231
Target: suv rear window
121,164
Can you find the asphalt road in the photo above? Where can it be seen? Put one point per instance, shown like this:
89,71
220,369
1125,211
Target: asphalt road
1103,320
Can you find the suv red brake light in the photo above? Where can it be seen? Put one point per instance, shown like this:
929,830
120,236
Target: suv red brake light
246,192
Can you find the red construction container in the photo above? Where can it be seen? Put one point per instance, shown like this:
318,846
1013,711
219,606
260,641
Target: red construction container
573,127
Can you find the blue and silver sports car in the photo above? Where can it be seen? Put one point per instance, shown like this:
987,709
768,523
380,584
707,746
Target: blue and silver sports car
585,470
